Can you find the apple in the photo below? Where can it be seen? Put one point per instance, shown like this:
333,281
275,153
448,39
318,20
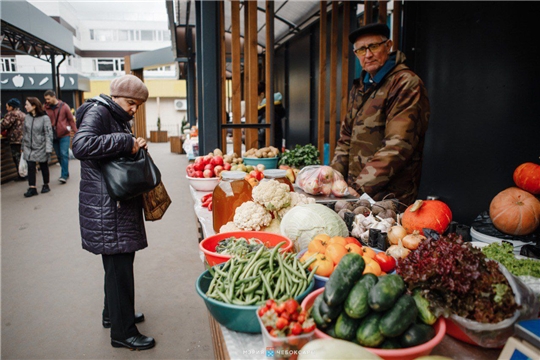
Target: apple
326,189
256,174
227,166
261,167
209,167
284,167
217,160
208,173
198,174
326,174
290,175
198,166
218,169
339,188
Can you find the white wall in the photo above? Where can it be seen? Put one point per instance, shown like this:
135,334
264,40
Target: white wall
171,119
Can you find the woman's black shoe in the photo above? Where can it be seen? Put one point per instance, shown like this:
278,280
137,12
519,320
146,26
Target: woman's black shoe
45,189
139,317
138,342
30,192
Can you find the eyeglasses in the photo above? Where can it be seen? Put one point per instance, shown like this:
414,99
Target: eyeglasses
372,47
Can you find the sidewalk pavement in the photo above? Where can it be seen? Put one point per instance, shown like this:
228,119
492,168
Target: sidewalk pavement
52,289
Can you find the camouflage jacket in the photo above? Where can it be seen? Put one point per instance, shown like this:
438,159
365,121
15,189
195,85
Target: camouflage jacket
14,122
379,151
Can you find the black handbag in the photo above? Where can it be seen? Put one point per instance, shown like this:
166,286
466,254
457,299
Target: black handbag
128,177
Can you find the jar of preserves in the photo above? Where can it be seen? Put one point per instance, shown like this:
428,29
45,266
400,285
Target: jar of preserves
231,192
278,175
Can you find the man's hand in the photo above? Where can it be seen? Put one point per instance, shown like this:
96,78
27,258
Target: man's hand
353,192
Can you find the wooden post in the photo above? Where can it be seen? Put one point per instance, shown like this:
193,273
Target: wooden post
223,76
322,80
382,11
344,60
269,75
368,12
253,75
396,24
247,76
333,78
236,81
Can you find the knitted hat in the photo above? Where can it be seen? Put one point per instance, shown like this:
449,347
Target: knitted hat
373,29
14,103
129,86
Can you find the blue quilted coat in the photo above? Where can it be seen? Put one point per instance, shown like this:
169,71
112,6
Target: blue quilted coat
107,227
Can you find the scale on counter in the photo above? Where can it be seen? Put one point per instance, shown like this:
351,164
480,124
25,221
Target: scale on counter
525,344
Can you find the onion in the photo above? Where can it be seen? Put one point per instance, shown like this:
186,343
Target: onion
396,233
412,241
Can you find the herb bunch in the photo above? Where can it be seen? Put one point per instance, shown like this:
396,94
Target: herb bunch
459,279
301,156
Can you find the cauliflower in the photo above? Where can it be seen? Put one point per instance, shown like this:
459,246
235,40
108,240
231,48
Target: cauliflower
272,194
251,216
274,227
229,227
296,199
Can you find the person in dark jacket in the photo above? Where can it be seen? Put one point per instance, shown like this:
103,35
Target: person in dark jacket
279,115
37,144
64,124
13,122
114,230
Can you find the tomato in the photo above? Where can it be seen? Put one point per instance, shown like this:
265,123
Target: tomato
368,252
296,328
336,252
291,306
338,240
306,256
387,263
269,303
367,259
353,248
326,266
352,240
373,267
262,311
281,323
308,325
301,318
317,245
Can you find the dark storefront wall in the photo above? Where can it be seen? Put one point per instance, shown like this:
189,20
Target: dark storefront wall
67,96
479,61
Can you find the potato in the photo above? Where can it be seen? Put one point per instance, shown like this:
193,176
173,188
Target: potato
258,154
218,152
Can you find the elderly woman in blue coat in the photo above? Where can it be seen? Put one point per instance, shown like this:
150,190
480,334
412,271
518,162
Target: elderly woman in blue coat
110,229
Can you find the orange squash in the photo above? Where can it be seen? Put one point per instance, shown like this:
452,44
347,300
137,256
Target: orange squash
428,214
515,212
527,177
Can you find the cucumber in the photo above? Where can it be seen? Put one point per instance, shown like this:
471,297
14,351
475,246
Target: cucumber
346,327
331,330
424,314
321,324
368,333
391,343
356,304
345,275
416,334
396,320
329,313
385,293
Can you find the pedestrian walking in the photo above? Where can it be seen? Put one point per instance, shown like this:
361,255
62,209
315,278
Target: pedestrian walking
37,144
63,125
114,230
13,122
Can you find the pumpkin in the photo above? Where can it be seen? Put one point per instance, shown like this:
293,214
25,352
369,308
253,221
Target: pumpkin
426,214
515,212
527,177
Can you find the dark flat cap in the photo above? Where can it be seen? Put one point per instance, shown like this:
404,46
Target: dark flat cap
373,29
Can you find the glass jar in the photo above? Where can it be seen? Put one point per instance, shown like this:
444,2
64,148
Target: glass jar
278,175
231,192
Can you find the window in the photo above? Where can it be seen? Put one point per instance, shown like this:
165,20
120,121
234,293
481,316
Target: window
123,35
147,35
108,65
101,35
8,65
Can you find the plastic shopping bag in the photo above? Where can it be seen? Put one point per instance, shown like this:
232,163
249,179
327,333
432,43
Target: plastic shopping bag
322,179
23,166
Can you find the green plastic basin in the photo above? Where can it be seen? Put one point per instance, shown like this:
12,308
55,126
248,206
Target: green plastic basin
235,317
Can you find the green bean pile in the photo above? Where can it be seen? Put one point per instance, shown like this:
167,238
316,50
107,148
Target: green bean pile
266,274
239,247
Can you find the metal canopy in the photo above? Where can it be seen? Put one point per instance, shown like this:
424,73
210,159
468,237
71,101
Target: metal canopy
290,17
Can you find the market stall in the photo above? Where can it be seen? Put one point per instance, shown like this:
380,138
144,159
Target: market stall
242,345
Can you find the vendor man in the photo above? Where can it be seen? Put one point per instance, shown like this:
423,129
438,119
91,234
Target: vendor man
379,151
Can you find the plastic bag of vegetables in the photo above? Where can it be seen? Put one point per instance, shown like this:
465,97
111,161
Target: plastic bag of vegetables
322,180
303,222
